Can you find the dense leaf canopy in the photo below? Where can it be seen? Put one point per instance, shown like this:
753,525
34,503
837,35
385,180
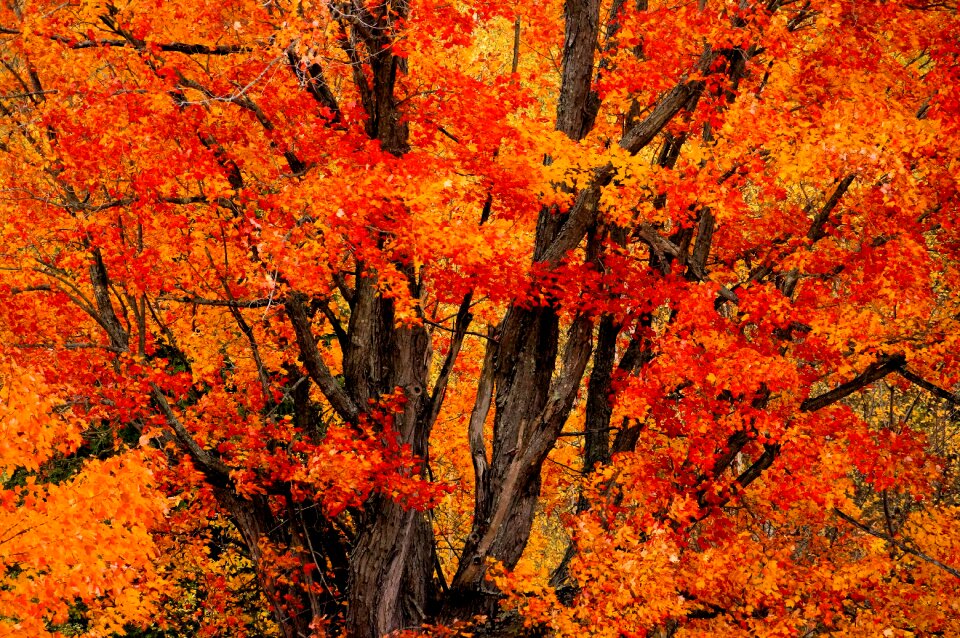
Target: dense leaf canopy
620,318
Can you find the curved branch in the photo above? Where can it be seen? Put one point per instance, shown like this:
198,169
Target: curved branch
313,362
935,390
875,371
209,464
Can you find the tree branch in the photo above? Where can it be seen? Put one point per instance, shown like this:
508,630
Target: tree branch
338,330
225,303
119,338
174,47
816,231
313,362
456,342
312,78
577,104
900,544
478,417
875,371
752,473
697,263
665,109
935,390
211,465
563,390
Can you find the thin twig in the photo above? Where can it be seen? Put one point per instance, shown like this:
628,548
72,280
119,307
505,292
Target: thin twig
903,546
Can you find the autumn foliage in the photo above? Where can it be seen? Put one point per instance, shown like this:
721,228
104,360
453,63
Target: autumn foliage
621,318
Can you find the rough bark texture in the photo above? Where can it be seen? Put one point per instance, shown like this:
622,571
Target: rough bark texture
391,583
530,409
522,368
578,104
526,355
598,410
253,519
391,566
389,578
390,569
817,231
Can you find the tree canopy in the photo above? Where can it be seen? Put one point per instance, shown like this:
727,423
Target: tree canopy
620,318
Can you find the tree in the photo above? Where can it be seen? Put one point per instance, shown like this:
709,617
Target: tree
292,257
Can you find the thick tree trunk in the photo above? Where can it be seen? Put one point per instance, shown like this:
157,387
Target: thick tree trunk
531,405
391,567
390,576
523,367
391,582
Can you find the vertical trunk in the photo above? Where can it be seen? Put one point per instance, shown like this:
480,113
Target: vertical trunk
524,367
522,372
531,404
391,566
530,413
579,104
599,408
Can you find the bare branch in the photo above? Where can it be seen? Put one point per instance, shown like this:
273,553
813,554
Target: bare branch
666,108
335,323
563,390
311,77
577,104
456,342
119,338
935,390
816,231
225,303
209,463
770,452
173,47
697,263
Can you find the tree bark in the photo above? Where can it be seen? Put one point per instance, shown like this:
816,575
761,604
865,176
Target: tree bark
391,582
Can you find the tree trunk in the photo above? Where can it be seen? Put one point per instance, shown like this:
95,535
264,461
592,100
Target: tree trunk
532,405
391,567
